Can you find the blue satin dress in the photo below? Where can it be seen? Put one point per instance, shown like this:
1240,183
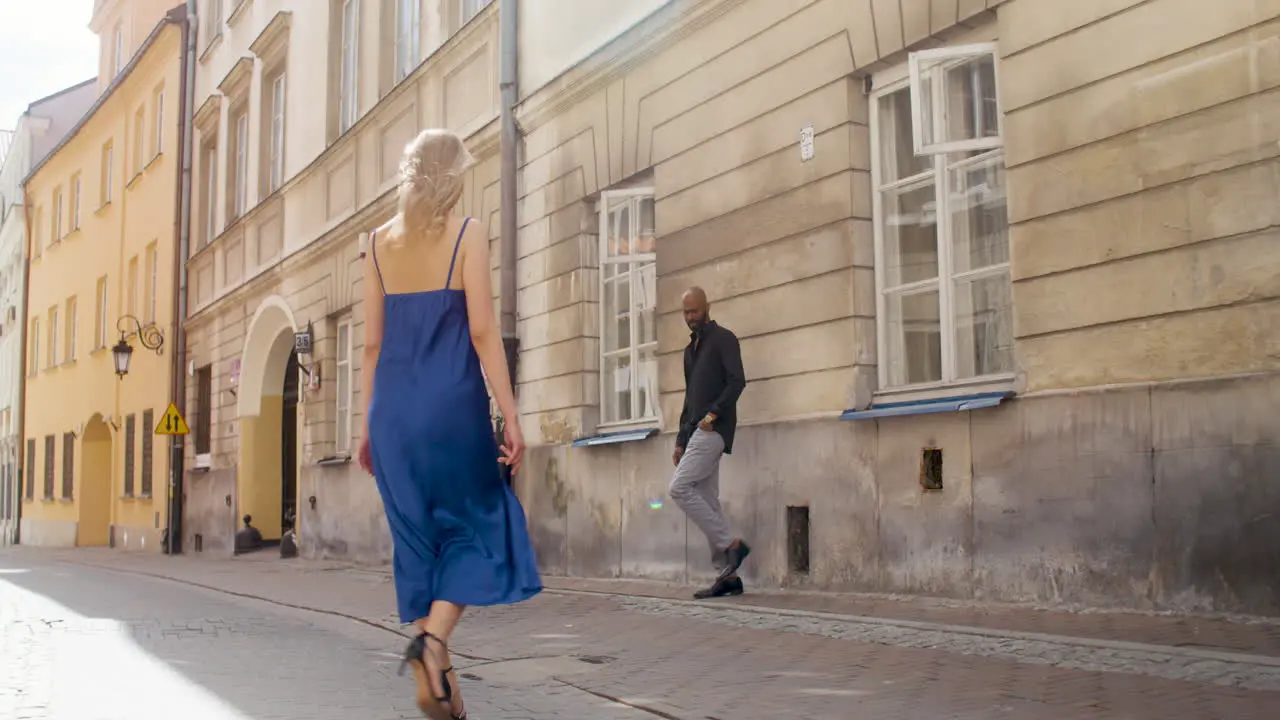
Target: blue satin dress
458,530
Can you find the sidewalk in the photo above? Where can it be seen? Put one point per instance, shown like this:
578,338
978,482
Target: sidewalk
804,655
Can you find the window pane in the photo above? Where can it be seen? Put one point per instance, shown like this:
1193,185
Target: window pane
910,235
645,241
897,157
648,383
617,388
344,342
914,338
617,318
972,111
979,217
984,326
646,294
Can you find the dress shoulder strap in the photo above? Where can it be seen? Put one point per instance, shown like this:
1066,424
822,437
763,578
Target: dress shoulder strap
456,244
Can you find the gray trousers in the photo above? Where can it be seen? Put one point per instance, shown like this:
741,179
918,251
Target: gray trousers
695,487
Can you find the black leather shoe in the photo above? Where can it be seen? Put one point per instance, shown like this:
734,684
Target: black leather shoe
734,555
724,587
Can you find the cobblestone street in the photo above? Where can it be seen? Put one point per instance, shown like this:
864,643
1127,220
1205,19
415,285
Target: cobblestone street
96,634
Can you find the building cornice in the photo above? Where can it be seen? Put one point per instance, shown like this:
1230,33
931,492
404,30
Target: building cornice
240,10
238,77
209,112
662,29
273,37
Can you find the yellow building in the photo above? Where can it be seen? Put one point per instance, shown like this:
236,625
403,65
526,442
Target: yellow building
103,210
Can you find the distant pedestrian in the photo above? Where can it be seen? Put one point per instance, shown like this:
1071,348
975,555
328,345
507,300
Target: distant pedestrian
459,532
714,380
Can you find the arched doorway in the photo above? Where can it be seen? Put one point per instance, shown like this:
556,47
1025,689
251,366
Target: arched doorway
94,526
267,475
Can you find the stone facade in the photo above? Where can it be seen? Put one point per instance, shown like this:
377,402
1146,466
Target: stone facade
1114,201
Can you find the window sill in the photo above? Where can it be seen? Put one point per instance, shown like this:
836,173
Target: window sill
128,496
66,500
334,461
72,233
616,436
68,363
953,403
151,162
102,208
98,350
238,12
133,180
144,496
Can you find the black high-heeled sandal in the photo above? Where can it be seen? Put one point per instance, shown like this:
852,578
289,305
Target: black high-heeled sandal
435,708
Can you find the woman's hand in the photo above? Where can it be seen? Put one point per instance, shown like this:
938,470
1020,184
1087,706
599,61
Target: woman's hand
513,446
364,455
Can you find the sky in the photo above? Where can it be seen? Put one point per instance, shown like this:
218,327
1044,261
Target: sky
45,46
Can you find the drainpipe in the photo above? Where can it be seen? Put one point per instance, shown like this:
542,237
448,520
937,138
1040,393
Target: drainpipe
23,460
507,25
182,228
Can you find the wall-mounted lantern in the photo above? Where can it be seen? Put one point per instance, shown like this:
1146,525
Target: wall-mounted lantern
150,335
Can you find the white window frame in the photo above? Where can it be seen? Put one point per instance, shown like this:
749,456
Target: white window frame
946,277
408,45
152,268
211,199
936,100
132,302
101,340
275,174
633,348
109,163
75,202
34,362
343,400
240,197
349,71
52,359
56,226
118,59
139,140
73,311
159,138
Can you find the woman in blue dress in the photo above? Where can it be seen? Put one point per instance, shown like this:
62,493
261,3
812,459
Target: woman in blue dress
459,532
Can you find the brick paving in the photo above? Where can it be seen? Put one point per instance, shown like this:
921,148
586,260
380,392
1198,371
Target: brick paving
698,661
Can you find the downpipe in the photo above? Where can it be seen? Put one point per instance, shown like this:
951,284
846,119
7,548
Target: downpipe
509,149
177,391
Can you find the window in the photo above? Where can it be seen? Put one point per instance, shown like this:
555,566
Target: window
100,331
108,160
942,266
37,241
52,359
50,447
215,19
343,414
204,409
275,177
68,465
130,436
210,193
139,137
468,9
117,58
347,108
408,36
151,281
71,329
31,468
239,190
159,130
131,300
75,202
33,357
55,224
629,335
148,448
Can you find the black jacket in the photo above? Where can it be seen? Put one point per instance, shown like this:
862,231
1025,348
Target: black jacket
713,380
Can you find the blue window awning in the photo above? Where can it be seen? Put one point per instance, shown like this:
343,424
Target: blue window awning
924,407
616,437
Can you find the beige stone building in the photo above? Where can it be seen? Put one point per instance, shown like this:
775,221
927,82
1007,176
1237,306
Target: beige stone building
1006,276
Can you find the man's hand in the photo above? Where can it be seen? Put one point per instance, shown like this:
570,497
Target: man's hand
708,422
675,457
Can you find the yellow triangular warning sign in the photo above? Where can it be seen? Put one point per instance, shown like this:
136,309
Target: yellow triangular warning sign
171,423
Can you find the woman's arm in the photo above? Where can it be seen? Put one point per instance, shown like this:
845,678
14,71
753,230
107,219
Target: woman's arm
485,335
372,326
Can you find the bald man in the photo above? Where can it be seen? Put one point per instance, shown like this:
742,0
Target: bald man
713,380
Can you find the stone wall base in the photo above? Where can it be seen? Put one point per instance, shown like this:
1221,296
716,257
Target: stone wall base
1153,497
48,533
